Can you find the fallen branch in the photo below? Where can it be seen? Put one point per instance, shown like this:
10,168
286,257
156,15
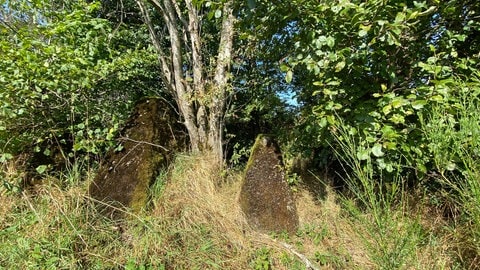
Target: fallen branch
142,142
305,260
291,250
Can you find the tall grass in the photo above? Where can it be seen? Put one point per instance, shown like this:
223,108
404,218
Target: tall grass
194,222
453,133
378,210
58,226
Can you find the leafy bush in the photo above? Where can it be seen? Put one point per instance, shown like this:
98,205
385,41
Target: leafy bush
376,67
67,78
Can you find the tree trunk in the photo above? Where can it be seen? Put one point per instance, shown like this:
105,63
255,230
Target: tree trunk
221,86
200,91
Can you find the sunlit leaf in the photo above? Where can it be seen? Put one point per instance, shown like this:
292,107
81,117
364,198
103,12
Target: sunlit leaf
340,65
218,13
418,104
330,42
289,76
377,150
41,169
363,154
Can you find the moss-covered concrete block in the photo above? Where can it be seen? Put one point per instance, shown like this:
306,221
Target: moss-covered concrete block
265,198
149,139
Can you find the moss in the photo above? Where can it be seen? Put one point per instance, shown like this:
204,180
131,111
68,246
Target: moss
266,198
150,138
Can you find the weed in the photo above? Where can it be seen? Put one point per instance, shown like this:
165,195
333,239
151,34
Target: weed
194,223
261,259
454,140
390,236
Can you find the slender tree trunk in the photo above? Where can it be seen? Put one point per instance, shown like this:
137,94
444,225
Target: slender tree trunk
200,95
221,85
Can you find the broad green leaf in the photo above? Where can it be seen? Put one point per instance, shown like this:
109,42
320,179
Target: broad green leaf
387,109
384,87
418,104
389,167
323,122
391,145
369,138
398,102
381,163
377,150
363,154
451,166
41,169
438,98
284,68
421,167
330,42
397,119
400,17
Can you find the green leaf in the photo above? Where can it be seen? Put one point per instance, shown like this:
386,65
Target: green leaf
330,42
364,30
377,150
41,169
397,119
363,154
398,102
323,122
451,166
387,109
418,104
218,13
421,167
289,76
284,68
437,98
5,156
381,163
400,17
339,66
389,167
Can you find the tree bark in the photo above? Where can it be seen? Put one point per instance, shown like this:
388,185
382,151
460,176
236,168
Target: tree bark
221,86
200,96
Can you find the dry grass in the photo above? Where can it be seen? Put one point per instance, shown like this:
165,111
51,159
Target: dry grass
197,200
197,196
195,223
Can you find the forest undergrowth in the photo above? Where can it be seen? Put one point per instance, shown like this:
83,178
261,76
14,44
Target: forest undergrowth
194,222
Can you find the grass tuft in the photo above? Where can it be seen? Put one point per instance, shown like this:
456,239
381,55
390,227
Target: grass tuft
194,222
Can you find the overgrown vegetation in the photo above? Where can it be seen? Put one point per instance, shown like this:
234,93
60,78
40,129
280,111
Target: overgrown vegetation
376,101
194,222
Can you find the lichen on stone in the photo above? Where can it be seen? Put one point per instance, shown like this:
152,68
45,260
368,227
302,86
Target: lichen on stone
265,197
150,138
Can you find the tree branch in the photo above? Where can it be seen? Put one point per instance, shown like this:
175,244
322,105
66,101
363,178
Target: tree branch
183,89
166,72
